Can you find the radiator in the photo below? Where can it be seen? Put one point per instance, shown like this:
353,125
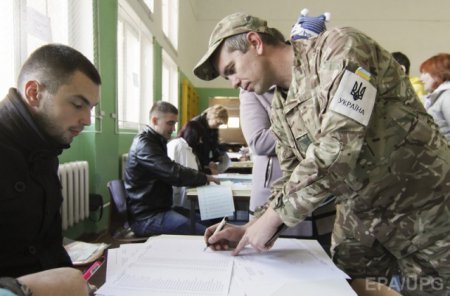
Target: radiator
74,178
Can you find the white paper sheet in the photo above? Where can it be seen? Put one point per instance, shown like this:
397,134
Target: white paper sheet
166,267
215,201
84,253
260,274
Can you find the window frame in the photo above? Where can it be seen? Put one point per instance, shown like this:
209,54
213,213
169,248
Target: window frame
130,19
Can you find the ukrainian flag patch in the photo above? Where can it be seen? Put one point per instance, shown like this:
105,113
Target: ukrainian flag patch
363,73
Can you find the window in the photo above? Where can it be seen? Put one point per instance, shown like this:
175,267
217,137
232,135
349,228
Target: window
149,4
170,21
8,54
135,68
230,132
28,24
169,80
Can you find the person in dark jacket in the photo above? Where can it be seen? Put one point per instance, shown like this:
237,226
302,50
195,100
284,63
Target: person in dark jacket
150,175
211,156
56,91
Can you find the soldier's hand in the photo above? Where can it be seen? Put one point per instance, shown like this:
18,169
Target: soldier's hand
260,232
227,238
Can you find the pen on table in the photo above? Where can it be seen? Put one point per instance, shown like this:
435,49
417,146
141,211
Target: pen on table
275,235
92,269
219,228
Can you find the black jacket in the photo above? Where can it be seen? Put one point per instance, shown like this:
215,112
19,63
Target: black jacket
209,149
30,194
150,175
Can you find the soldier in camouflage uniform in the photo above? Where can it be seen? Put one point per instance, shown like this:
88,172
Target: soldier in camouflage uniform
348,123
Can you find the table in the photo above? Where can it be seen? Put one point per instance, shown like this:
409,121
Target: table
243,167
361,286
241,199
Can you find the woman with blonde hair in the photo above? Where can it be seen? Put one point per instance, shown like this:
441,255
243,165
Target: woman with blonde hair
210,154
435,74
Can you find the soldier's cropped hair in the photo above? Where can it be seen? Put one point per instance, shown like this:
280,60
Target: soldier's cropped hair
239,41
53,65
161,108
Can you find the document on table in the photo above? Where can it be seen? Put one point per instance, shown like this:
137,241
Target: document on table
171,266
290,263
82,253
177,265
118,258
236,178
215,201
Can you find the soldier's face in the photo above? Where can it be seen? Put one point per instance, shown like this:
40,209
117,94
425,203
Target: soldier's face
244,70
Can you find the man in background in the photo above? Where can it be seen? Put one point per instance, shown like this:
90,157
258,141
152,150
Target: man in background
56,90
150,175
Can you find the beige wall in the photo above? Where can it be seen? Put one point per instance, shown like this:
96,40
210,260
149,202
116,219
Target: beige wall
418,28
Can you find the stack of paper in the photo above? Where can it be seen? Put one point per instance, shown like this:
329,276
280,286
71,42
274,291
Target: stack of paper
180,265
82,253
166,265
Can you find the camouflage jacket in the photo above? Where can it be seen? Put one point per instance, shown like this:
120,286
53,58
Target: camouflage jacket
351,125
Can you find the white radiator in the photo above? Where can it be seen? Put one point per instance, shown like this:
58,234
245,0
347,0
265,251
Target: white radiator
74,178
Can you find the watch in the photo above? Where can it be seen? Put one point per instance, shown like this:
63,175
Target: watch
15,286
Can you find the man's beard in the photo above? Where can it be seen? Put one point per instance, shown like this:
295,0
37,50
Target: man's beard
50,128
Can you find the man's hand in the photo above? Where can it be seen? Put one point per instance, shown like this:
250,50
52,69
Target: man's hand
227,238
59,281
260,232
213,168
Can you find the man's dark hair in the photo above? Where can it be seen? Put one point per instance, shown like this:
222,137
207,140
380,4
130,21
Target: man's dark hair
403,60
193,132
53,65
162,107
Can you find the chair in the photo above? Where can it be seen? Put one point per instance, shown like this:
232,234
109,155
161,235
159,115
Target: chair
119,228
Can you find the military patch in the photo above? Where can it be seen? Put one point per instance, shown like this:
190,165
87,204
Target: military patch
354,97
303,142
363,73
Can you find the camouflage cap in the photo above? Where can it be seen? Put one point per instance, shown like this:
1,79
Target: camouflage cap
231,25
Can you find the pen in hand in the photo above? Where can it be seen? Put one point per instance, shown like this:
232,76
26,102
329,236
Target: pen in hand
219,228
270,242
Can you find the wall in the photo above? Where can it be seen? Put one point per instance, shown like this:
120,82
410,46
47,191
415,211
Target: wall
206,93
417,28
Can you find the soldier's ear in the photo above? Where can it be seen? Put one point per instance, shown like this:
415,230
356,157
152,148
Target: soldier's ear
255,41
